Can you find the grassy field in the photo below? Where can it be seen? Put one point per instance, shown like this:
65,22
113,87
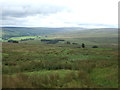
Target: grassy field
35,64
19,38
39,65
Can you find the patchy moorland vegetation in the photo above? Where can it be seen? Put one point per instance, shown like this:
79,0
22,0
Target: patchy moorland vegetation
50,66
59,61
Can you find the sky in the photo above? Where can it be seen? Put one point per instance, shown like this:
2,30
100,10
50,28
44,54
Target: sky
59,13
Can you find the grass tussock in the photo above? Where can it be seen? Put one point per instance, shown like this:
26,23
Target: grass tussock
49,66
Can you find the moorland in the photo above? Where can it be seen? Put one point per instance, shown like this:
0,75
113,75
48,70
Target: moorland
54,58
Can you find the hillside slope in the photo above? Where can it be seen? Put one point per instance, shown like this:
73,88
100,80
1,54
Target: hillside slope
8,32
101,32
101,36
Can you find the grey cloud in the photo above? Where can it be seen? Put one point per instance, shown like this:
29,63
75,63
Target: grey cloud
15,13
28,10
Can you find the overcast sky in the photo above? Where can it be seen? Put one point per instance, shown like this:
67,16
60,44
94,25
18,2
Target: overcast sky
59,13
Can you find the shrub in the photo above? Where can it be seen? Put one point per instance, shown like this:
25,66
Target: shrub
95,46
13,41
68,42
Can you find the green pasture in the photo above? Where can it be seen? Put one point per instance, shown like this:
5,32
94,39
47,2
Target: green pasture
19,38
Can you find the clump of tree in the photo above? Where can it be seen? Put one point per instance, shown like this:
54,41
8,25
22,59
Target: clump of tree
48,41
27,39
68,42
13,41
94,46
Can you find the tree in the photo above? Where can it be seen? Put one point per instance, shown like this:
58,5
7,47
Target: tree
83,45
95,46
13,41
68,42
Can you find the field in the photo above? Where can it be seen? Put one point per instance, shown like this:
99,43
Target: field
34,64
50,66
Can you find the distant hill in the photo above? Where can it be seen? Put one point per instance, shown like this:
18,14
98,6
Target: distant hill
101,36
8,32
101,32
73,34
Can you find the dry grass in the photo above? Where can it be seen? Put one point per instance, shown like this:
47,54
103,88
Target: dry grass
89,67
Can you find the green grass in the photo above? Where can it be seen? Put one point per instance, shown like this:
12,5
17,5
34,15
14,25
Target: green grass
62,73
103,77
19,38
33,64
50,66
